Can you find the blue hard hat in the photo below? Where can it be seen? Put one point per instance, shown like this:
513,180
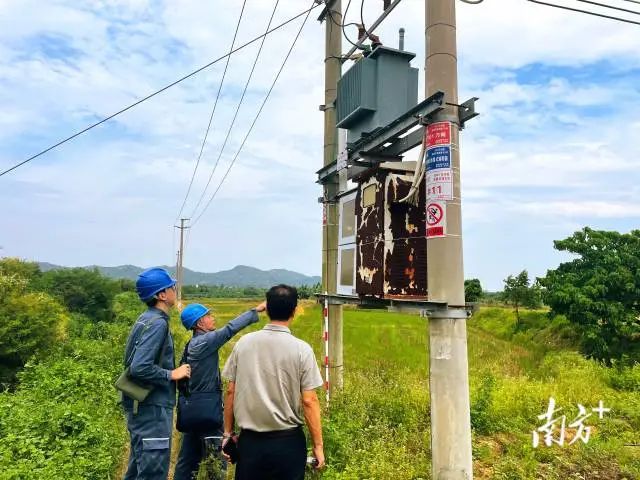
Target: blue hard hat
191,314
152,281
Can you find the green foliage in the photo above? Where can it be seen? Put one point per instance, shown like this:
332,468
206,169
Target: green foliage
30,323
308,291
519,292
82,291
625,378
126,285
225,291
63,420
127,307
481,415
598,292
472,290
21,268
220,291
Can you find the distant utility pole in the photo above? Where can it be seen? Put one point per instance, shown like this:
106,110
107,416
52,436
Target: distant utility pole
332,73
449,380
179,272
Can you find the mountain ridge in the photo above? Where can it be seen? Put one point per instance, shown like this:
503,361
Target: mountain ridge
238,276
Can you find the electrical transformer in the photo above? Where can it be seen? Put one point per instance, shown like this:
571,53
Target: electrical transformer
375,91
382,241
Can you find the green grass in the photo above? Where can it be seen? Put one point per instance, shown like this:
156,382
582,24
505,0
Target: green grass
378,428
63,421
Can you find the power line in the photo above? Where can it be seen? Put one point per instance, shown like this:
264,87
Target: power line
235,115
213,111
585,11
366,33
620,9
343,25
129,107
273,84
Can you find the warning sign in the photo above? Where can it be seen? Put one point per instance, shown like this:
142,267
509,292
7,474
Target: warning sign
439,157
440,184
436,219
439,134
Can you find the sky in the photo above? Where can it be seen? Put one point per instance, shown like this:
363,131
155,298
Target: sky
556,147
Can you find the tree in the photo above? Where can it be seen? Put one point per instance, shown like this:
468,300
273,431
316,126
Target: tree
81,290
599,292
21,268
308,291
472,290
519,292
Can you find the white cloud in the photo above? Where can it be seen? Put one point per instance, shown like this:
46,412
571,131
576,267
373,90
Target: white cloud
567,145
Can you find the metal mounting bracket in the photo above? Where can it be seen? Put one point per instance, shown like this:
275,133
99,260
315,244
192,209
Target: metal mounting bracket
467,111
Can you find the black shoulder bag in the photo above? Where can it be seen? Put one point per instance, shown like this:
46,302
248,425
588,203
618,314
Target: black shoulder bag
198,412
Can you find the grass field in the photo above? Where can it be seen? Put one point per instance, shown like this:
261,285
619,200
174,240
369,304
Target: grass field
379,427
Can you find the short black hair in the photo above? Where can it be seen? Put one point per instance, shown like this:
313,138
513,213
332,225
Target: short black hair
152,302
282,301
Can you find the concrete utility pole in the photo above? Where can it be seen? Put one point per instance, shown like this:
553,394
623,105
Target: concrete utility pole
449,380
332,73
179,272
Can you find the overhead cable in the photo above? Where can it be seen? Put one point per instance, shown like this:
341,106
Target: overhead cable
157,92
235,115
213,111
610,17
620,9
273,84
366,33
370,30
342,25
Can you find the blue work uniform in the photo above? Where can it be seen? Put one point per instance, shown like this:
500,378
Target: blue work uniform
152,361
202,356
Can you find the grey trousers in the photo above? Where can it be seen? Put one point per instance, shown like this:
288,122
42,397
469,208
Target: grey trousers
150,431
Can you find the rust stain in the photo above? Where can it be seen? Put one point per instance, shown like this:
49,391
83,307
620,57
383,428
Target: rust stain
410,227
392,251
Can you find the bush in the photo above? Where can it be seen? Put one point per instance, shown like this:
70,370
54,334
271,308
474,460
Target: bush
63,420
127,307
82,291
30,323
481,415
20,268
625,378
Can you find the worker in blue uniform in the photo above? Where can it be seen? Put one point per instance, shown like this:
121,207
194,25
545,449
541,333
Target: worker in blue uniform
150,358
201,353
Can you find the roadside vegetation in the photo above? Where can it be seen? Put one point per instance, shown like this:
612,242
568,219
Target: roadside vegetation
63,335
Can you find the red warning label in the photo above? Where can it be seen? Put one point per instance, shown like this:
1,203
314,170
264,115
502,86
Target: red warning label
439,134
436,219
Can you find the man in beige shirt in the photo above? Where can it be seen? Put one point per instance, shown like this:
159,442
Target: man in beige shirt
271,393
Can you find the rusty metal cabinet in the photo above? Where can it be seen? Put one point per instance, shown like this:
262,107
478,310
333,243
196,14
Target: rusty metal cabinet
391,244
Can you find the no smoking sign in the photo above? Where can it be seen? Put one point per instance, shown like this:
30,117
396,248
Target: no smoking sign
436,219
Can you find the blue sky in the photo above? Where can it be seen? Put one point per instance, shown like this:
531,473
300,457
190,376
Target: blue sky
557,146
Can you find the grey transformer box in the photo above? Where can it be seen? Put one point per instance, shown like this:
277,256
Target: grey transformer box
375,91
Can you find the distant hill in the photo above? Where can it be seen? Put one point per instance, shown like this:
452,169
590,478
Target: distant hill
239,276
